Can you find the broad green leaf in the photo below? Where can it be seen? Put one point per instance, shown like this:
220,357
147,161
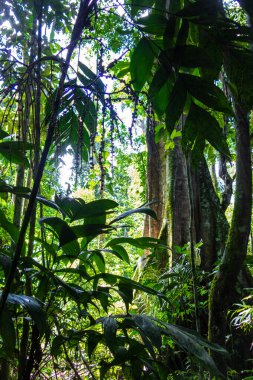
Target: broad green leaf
14,151
142,242
99,260
33,306
95,80
161,100
69,206
176,105
118,251
95,208
153,24
94,338
71,248
201,125
206,92
160,78
61,229
112,279
88,230
9,227
110,329
56,348
73,291
171,30
191,56
141,63
126,293
139,210
102,295
86,109
190,343
150,329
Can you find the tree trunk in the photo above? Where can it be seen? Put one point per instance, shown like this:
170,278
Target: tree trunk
222,294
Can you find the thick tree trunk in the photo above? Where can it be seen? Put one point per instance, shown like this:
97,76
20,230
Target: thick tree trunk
179,205
210,224
223,288
156,169
156,192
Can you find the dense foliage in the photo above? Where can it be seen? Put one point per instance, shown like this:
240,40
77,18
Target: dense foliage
85,293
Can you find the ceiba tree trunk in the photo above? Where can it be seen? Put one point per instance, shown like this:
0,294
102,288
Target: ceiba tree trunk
167,183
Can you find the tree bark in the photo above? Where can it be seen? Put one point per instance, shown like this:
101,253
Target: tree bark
222,294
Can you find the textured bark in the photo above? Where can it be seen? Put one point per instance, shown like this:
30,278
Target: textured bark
210,224
156,171
156,192
179,205
223,288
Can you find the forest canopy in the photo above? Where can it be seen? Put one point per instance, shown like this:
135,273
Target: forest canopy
126,189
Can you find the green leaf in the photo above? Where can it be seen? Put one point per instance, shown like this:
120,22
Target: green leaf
110,329
14,151
161,100
9,227
159,80
120,252
56,348
99,260
190,343
176,105
69,206
150,329
95,80
90,230
139,210
33,306
141,63
191,56
126,293
61,229
95,208
86,109
206,92
153,24
201,125
142,242
171,30
94,338
112,279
